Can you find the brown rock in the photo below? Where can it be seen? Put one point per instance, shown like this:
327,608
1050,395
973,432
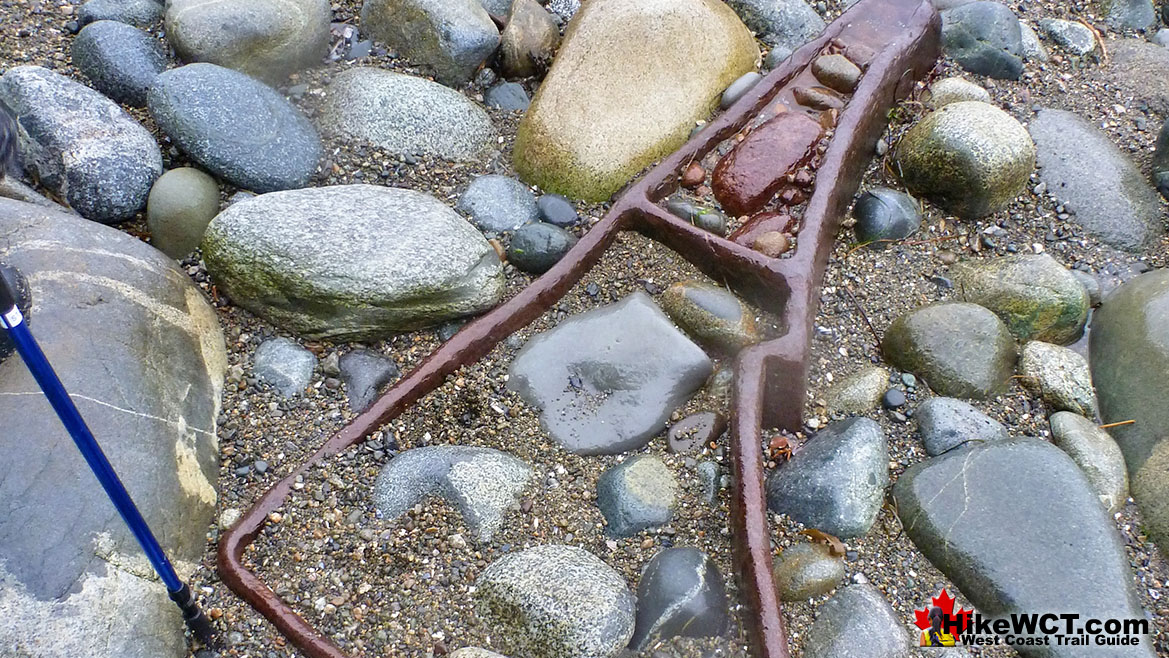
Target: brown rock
695,431
747,177
528,41
818,98
694,175
773,244
837,72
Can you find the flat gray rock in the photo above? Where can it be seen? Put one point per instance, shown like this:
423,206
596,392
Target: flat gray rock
681,593
1017,528
482,483
405,115
120,60
1095,453
1083,169
637,494
81,144
836,482
556,601
139,13
451,37
235,127
786,23
266,39
284,365
365,373
607,380
318,262
1071,36
857,622
497,203
946,423
71,569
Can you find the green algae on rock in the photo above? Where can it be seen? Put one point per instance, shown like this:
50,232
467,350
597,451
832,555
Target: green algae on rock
626,88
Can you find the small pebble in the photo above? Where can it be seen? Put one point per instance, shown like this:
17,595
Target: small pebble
893,399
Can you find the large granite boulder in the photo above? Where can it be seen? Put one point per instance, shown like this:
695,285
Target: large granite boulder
235,127
80,144
1084,170
405,115
607,380
1017,527
267,39
351,261
625,89
1130,358
451,37
146,373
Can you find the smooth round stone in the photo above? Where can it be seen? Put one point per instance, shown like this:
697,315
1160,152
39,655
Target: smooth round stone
535,248
818,98
1060,376
236,127
266,39
778,55
857,620
139,13
961,350
710,314
837,72
120,60
556,601
1073,37
637,494
681,593
786,23
19,286
738,88
984,37
509,96
772,244
969,157
405,115
365,373
696,431
946,423
556,210
450,37
712,221
806,570
182,203
1150,488
954,90
498,203
1036,296
529,40
883,216
284,365
858,392
893,399
1095,453
721,383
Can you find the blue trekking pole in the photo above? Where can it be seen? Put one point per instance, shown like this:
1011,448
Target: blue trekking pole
12,320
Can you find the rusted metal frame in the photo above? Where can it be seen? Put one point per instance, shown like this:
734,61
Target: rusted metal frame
770,377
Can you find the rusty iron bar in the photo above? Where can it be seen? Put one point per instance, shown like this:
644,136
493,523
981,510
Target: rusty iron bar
900,41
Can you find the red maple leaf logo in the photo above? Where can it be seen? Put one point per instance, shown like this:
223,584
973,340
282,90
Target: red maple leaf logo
946,603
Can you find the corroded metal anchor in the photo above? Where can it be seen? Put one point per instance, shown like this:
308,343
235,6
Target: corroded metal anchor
895,43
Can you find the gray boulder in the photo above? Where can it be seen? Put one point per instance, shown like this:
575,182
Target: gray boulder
946,423
139,13
1034,294
120,60
266,39
71,569
681,593
607,380
1017,528
482,483
451,37
405,115
836,482
1128,14
857,621
81,144
637,494
285,365
498,203
352,261
236,127
785,23
1084,170
1095,453
984,38
556,601
962,350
